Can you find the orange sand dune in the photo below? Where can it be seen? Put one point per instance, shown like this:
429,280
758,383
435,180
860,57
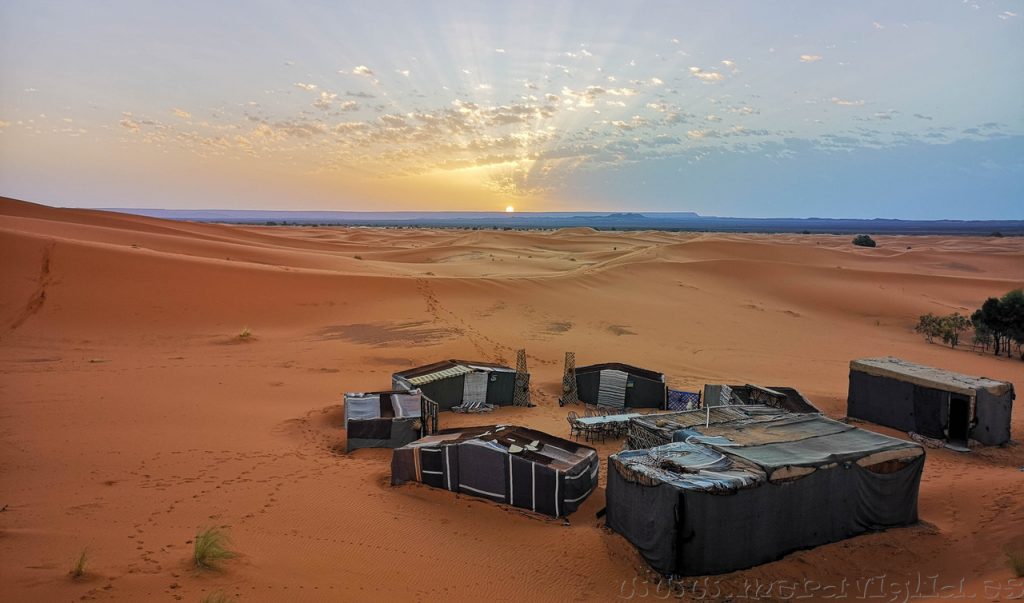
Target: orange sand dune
133,414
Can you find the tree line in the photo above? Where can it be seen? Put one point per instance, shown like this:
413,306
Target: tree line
998,324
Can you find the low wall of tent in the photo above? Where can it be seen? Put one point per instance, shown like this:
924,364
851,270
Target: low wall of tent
737,495
504,464
616,385
454,383
932,402
386,419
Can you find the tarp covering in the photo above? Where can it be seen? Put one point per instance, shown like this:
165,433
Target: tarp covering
719,501
507,464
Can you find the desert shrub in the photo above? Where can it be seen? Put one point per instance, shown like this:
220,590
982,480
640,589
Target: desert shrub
211,547
864,241
358,257
245,333
78,569
218,597
948,328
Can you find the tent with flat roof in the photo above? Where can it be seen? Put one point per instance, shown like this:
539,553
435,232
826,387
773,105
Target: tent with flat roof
756,483
933,402
502,463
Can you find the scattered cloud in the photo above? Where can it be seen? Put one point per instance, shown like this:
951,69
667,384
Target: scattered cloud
499,50
846,102
181,113
706,76
810,58
1009,14
306,87
361,70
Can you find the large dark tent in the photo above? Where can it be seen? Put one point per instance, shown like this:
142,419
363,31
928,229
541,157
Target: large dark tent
747,490
929,401
615,385
506,464
465,383
381,419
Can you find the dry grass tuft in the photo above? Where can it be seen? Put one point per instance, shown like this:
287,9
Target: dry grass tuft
211,547
78,569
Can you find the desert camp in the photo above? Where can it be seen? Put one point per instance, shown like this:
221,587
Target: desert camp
755,484
934,403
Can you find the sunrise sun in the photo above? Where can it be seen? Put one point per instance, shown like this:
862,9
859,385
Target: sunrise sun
509,209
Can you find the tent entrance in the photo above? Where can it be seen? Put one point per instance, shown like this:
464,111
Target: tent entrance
959,419
474,390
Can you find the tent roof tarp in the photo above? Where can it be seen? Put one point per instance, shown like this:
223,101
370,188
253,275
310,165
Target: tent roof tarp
926,376
751,447
447,368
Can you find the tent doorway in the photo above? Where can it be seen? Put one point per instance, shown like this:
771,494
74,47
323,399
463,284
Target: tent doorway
959,419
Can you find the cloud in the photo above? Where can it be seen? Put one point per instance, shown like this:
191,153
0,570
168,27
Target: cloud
847,103
1009,14
810,58
877,25
306,87
349,106
129,121
403,72
706,76
361,70
359,94
181,113
499,50
325,101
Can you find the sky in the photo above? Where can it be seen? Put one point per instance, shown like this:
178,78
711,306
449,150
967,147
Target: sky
911,109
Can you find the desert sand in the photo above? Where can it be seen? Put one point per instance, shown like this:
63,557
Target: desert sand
133,414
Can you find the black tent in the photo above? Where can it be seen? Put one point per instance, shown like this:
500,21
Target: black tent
932,402
381,419
617,385
506,464
453,383
745,491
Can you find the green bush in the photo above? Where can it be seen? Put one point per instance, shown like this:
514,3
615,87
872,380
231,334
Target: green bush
864,241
